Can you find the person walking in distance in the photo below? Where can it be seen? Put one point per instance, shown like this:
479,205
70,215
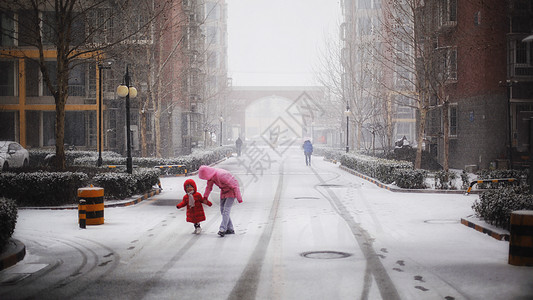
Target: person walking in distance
229,191
193,200
308,150
238,145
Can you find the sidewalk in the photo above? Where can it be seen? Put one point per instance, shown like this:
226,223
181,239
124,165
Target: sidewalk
470,221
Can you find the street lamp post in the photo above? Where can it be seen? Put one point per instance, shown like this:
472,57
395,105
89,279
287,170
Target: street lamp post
125,90
221,120
347,114
100,104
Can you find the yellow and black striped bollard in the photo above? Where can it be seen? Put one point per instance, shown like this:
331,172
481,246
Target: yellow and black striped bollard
81,214
95,204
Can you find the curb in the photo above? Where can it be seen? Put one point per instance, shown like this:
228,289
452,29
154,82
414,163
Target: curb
492,233
14,252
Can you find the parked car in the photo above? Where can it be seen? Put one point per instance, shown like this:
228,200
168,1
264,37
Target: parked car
13,155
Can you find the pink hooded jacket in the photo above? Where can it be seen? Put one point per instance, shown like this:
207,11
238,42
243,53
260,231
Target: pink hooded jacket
229,186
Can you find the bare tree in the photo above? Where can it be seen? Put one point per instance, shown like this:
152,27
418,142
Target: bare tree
76,31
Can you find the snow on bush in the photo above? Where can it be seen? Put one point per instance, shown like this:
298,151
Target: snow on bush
378,168
8,219
495,206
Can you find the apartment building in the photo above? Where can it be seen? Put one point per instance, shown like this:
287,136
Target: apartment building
166,56
489,86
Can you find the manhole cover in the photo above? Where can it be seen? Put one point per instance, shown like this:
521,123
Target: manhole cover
325,254
306,198
442,221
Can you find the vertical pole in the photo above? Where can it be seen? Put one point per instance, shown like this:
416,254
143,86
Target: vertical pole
129,167
347,127
99,162
530,176
510,86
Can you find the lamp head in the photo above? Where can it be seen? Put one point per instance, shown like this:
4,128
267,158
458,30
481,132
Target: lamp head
122,90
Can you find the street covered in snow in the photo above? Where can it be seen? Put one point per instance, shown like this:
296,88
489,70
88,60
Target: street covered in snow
302,232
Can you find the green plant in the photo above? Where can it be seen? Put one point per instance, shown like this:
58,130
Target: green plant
444,180
8,219
495,206
410,179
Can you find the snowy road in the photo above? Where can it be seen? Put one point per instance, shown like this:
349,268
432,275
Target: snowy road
302,233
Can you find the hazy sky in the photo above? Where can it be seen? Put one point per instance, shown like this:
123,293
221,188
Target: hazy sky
277,42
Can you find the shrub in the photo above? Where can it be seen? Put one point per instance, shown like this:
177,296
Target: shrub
42,188
465,180
499,174
444,180
8,219
123,185
378,168
495,206
410,179
328,153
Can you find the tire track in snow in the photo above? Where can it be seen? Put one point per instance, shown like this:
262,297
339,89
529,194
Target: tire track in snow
246,286
385,285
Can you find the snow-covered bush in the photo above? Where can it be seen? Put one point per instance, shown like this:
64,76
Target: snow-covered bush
328,153
42,188
445,180
410,179
495,206
378,168
8,219
124,185
39,157
192,161
498,174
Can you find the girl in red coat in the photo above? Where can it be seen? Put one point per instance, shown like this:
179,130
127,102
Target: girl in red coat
193,200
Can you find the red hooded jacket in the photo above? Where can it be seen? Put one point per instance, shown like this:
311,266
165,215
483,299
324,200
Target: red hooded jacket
194,214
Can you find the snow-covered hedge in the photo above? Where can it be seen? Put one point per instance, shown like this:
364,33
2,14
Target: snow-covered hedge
378,168
495,174
42,188
39,157
410,179
124,185
329,153
192,161
8,219
495,206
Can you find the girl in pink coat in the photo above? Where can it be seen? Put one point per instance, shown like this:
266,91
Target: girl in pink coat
229,191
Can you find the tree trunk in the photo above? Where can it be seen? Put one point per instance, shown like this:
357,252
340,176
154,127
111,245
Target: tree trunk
420,139
446,131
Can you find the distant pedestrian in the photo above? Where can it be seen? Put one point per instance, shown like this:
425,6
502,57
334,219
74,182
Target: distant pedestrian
193,200
229,191
238,145
308,150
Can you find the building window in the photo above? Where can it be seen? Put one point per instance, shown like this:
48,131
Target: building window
7,27
7,78
75,128
523,59
448,12
452,114
449,63
8,125
33,78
